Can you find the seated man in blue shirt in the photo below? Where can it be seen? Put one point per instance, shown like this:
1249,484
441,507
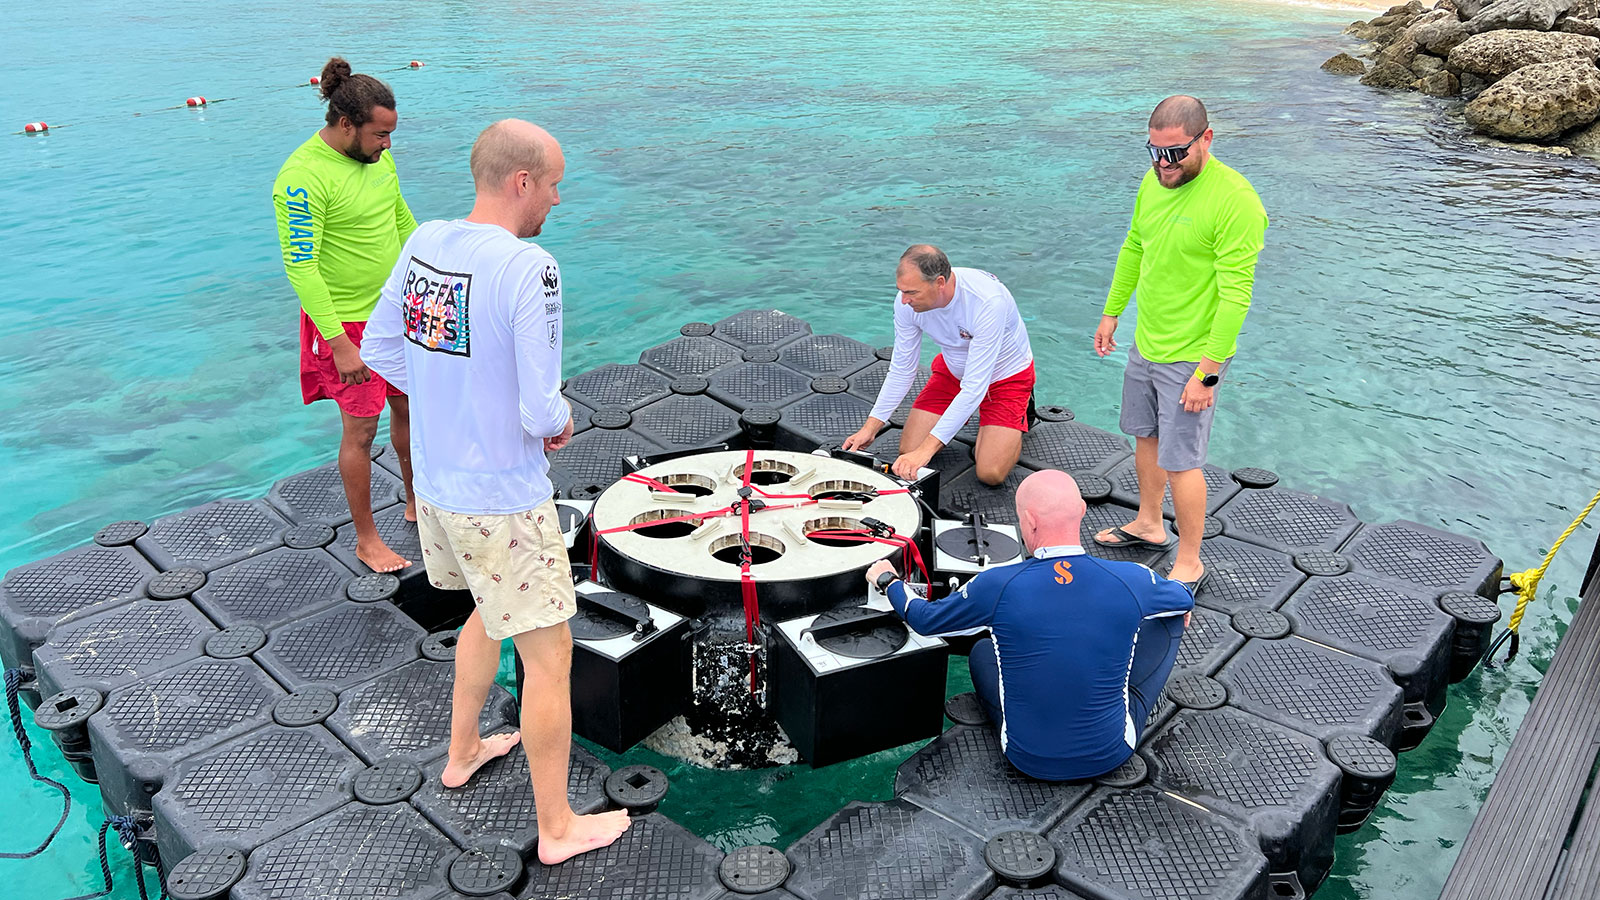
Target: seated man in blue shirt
1079,647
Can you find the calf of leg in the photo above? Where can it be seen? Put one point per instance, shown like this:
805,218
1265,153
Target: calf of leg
1189,503
997,452
1156,651
985,668
547,721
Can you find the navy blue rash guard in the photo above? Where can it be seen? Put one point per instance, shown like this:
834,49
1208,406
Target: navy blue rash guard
1074,682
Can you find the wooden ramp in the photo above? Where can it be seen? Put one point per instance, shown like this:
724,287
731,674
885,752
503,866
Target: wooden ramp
1536,837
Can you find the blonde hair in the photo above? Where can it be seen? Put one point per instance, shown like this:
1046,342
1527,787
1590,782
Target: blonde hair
505,148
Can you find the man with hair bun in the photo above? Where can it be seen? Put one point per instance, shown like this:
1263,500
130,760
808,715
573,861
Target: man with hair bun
984,367
1190,253
341,221
469,325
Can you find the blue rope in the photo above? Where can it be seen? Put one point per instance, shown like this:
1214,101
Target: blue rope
13,684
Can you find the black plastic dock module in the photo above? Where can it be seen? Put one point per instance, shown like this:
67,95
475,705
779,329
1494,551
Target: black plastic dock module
406,713
340,647
826,354
1288,521
963,776
1241,576
821,419
1314,689
1207,643
1047,892
1434,561
760,328
1124,477
431,607
252,789
683,422
1410,636
655,857
213,534
952,459
145,728
594,459
892,849
121,645
1277,780
582,415
964,495
496,806
34,597
273,588
1100,516
869,381
1142,843
768,384
317,495
359,851
613,384
1073,447
690,355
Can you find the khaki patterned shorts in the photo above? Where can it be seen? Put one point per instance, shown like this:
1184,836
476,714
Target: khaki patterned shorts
515,565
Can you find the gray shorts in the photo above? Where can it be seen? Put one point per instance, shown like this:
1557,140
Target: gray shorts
1151,407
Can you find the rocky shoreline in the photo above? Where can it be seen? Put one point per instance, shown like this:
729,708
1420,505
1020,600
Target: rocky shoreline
1525,68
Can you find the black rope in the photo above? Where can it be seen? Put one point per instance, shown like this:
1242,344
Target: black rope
13,684
128,833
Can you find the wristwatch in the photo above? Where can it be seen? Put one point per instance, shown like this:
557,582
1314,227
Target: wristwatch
1208,379
885,580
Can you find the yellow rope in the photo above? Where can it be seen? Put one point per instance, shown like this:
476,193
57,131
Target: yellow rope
1527,583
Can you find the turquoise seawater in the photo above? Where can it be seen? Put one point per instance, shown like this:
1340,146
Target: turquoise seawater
1422,343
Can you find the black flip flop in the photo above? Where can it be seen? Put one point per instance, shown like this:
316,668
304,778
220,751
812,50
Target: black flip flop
1127,539
1195,585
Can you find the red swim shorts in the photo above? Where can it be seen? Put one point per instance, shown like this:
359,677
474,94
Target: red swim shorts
1006,404
319,377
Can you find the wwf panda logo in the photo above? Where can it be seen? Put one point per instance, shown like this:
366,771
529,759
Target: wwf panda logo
551,279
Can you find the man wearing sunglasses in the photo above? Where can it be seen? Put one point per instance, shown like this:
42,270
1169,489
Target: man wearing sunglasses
1190,255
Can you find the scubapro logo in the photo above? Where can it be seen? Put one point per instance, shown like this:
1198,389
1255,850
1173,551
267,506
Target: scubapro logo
1063,572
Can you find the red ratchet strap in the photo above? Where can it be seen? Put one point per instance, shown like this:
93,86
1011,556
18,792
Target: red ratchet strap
646,480
747,581
910,556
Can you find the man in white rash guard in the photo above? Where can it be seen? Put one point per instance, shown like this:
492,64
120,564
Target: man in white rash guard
985,366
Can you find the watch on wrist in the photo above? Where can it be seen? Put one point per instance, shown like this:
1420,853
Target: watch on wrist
1208,379
885,580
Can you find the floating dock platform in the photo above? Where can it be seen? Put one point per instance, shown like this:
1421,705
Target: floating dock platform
274,717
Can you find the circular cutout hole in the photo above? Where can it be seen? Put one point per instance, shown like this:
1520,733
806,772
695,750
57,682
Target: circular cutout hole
833,523
840,489
763,549
689,483
665,529
768,471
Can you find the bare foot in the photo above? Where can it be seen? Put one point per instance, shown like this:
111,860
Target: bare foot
586,833
379,558
457,772
1140,534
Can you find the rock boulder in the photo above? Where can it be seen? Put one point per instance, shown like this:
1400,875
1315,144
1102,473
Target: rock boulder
1440,84
1438,35
1586,27
1345,64
1538,102
1387,74
1500,53
1533,15
1585,141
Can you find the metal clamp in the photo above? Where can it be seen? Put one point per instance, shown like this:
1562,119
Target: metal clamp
607,605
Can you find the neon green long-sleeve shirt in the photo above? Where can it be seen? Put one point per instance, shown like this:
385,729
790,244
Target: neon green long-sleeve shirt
1191,256
341,224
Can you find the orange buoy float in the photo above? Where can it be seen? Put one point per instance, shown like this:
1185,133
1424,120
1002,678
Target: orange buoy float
316,79
416,64
35,128
195,101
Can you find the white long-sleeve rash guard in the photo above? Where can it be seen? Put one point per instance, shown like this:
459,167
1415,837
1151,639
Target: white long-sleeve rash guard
981,336
469,325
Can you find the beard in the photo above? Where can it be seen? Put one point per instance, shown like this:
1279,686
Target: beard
1184,176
